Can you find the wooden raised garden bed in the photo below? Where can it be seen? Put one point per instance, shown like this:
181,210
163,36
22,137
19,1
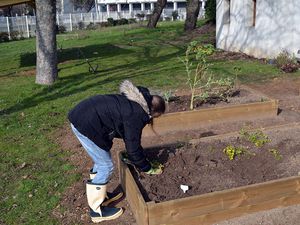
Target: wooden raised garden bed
209,208
189,120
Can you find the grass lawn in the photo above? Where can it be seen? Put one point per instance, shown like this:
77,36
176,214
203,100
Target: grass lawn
34,172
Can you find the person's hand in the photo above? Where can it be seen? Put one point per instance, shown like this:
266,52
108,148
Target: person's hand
156,168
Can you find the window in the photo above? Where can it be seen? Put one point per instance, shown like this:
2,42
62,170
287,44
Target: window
250,14
226,14
254,13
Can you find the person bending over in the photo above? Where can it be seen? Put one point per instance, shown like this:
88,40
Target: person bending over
96,121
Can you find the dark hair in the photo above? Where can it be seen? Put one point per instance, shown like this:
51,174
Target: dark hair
158,104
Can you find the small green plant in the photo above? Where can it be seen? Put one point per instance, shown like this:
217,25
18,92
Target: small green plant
111,22
218,89
122,21
287,62
140,16
276,153
203,86
258,138
232,151
81,25
167,95
131,20
61,29
196,53
4,37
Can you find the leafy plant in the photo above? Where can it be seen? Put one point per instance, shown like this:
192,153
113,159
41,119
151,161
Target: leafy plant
14,35
217,89
233,152
110,21
203,86
4,37
81,25
275,153
196,53
61,29
283,58
122,21
258,138
167,95
140,16
131,20
287,62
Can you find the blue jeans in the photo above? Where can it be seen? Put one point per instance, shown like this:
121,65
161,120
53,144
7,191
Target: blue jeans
103,164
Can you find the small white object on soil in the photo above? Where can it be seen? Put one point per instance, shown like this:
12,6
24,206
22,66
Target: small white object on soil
184,188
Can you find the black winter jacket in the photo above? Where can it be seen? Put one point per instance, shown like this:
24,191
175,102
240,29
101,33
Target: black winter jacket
104,117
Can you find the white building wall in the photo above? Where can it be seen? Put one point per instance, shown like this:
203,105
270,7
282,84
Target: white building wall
276,29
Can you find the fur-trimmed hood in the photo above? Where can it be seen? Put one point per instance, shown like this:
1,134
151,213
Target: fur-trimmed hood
135,94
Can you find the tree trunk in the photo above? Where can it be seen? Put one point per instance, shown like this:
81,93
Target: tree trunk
160,5
192,12
46,55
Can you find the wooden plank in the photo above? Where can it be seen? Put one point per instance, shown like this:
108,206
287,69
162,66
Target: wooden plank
212,207
133,194
212,218
4,3
217,206
181,121
282,127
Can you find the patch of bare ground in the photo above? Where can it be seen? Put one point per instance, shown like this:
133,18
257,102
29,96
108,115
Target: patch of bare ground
31,72
226,55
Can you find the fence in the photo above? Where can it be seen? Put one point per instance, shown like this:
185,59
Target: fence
25,26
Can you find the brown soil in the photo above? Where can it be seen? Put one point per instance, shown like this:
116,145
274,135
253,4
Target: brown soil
242,95
205,168
225,55
73,206
27,72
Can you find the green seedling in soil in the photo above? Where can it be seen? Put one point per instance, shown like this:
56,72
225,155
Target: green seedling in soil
232,151
258,138
276,153
167,95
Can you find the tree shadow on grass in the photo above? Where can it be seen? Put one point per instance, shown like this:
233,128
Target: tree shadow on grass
65,87
89,52
70,85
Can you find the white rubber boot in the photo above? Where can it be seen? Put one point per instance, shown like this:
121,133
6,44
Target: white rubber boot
96,195
110,197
